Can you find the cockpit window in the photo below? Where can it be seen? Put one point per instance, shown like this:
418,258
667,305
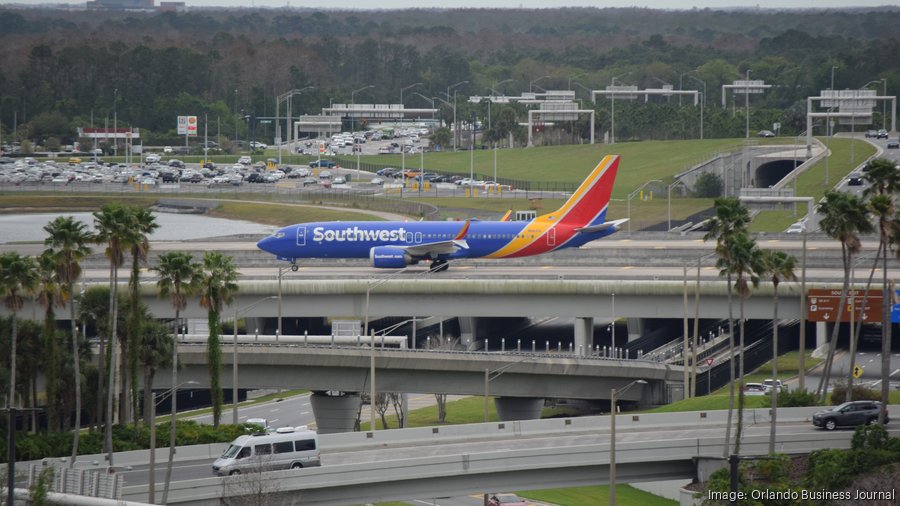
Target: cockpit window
278,235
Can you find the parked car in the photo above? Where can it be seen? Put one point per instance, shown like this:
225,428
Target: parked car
244,160
506,500
339,180
309,181
770,383
765,133
377,180
850,414
388,172
325,174
893,145
754,389
322,163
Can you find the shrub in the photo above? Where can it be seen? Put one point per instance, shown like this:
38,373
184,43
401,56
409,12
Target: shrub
860,393
796,398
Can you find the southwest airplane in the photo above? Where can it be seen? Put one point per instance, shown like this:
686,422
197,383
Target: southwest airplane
394,244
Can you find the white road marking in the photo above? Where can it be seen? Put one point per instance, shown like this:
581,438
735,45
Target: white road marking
893,373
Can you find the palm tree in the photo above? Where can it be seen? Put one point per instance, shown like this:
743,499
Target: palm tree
884,179
178,275
731,218
18,278
844,217
778,266
139,242
114,226
156,352
69,239
217,287
49,296
744,262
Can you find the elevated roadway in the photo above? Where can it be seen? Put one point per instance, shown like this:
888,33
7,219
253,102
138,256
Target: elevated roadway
365,467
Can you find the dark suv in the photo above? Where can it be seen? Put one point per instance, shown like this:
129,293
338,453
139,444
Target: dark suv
849,414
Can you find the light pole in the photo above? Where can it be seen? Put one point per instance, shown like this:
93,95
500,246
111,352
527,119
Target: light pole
612,437
287,97
238,117
369,287
531,83
281,271
115,122
747,107
576,76
612,115
455,128
884,105
234,356
490,375
631,196
612,324
413,85
353,101
702,101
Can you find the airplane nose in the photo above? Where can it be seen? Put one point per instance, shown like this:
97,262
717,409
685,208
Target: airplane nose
266,244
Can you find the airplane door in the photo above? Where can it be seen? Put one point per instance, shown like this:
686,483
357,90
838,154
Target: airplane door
301,236
551,237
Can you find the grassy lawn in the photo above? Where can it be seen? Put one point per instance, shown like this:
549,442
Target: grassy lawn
626,495
16,202
711,402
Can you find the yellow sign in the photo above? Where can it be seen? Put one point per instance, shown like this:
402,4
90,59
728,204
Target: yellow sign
857,371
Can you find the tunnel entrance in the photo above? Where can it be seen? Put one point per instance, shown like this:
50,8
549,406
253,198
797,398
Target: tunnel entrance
770,173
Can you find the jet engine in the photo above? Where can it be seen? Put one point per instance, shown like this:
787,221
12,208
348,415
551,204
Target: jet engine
388,257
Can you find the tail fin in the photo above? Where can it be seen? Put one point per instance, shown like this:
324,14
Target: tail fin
507,216
587,206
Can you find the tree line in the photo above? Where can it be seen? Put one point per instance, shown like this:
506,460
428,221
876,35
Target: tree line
65,69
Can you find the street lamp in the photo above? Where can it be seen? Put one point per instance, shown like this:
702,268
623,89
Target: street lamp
287,97
747,106
281,271
234,356
235,111
575,77
115,121
455,128
612,115
531,83
353,101
702,101
369,287
612,437
631,196
413,85
496,373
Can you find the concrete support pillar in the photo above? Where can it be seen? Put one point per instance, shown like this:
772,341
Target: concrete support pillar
822,334
635,328
518,408
584,334
467,334
334,413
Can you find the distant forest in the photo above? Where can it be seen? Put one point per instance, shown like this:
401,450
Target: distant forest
60,67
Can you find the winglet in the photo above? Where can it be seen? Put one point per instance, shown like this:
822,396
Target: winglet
462,233
506,216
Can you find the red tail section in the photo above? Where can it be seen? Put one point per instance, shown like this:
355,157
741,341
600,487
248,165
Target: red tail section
591,198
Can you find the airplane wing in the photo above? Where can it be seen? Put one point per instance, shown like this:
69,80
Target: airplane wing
615,225
441,247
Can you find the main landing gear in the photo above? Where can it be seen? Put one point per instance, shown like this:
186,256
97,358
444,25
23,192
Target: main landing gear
294,267
439,265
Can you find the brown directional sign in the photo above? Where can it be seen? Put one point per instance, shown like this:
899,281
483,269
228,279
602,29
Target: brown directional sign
823,305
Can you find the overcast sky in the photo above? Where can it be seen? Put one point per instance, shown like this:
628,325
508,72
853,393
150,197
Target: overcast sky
405,4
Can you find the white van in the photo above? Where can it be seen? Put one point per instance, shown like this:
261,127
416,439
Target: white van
286,448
